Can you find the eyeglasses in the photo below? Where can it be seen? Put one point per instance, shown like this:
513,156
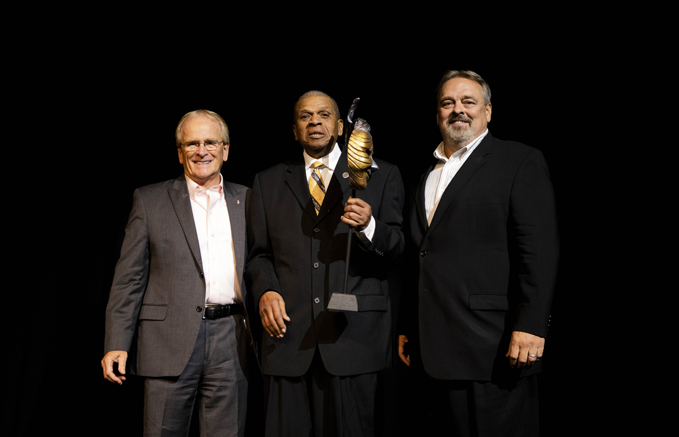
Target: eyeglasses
195,145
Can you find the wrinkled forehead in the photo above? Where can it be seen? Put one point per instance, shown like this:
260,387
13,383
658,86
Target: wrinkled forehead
313,104
201,125
461,87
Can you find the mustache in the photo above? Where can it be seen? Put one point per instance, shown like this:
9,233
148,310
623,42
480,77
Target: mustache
453,119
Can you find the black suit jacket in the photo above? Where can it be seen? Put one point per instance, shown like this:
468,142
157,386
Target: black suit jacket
487,263
302,256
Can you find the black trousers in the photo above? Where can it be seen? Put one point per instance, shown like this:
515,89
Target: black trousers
319,404
480,408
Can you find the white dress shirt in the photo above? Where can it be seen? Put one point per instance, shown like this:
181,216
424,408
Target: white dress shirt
329,162
211,216
443,173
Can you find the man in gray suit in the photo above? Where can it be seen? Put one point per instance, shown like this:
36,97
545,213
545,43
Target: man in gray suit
175,313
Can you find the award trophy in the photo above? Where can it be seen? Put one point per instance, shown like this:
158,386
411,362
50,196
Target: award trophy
361,164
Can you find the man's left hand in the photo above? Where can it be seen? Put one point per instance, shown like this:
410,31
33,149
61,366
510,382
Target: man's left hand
525,349
357,214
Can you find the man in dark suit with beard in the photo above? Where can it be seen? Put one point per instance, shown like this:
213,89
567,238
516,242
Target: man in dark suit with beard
483,229
321,365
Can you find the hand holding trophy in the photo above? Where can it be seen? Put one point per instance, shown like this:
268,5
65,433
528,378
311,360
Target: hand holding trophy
361,164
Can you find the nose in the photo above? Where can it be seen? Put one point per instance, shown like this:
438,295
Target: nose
458,108
202,150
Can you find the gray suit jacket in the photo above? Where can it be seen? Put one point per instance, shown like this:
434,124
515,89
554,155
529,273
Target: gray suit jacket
158,291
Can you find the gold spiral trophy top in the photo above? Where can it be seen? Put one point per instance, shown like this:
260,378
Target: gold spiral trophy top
359,155
361,164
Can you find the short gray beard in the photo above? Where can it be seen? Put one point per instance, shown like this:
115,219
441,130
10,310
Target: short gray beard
459,137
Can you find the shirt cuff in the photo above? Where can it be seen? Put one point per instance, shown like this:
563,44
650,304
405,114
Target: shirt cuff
366,235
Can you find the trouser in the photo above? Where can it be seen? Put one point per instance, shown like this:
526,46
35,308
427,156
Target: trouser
320,404
484,409
214,379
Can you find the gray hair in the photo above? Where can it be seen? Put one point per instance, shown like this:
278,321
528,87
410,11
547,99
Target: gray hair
315,93
465,74
205,113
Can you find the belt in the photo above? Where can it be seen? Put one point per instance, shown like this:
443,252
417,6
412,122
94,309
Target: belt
218,311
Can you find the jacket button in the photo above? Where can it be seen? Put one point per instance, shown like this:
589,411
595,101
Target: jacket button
199,309
423,253
315,265
317,300
316,230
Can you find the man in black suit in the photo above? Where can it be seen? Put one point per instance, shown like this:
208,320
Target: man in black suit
321,365
484,227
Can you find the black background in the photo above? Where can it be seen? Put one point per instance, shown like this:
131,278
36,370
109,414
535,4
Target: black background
105,114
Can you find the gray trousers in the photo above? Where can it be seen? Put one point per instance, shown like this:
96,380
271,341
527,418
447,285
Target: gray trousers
214,380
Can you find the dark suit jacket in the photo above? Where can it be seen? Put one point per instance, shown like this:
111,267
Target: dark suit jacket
302,256
487,263
158,291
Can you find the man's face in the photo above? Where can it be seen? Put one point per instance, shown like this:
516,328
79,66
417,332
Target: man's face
462,113
317,127
202,165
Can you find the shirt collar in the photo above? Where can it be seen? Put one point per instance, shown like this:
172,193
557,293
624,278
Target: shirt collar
192,185
330,160
440,152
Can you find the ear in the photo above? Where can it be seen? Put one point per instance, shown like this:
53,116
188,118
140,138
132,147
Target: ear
340,122
226,151
181,156
294,132
489,111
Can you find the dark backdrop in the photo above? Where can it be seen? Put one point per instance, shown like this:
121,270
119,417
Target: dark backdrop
112,114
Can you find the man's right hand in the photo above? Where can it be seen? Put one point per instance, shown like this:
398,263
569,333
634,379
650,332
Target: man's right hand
402,340
272,312
111,357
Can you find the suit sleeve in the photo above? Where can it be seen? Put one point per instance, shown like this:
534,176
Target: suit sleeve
259,269
388,240
129,281
534,245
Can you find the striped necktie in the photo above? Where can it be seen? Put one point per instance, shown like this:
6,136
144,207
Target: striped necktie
316,186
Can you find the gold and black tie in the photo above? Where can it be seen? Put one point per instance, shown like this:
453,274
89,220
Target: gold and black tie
316,186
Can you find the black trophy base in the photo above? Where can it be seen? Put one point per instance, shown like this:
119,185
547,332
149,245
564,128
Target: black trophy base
343,302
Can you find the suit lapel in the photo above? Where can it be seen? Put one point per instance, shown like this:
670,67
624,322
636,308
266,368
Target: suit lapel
338,186
179,195
296,179
466,172
236,207
420,200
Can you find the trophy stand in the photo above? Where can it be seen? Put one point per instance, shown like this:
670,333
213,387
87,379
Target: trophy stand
345,301
359,154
